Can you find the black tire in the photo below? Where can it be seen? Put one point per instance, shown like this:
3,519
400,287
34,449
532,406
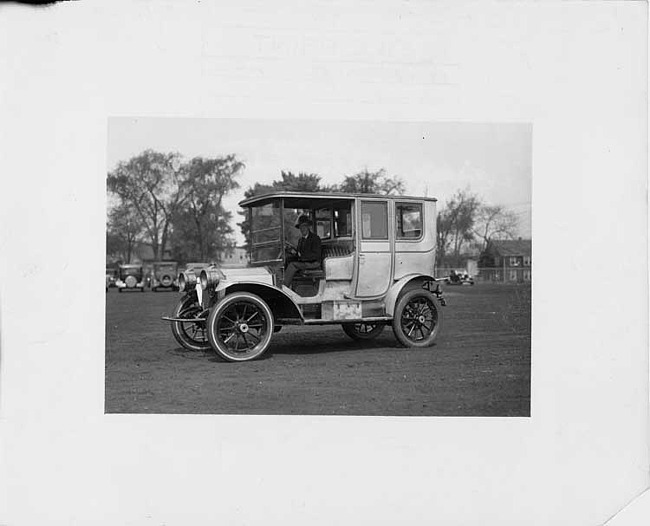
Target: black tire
193,336
154,289
119,290
240,327
363,330
417,318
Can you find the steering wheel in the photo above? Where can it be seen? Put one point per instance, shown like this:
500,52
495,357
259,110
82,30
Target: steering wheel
292,249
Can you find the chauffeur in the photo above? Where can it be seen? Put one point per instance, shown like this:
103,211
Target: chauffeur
308,251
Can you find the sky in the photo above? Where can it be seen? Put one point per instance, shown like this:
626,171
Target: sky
434,159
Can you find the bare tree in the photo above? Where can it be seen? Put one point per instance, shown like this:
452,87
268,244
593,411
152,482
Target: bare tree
455,224
494,222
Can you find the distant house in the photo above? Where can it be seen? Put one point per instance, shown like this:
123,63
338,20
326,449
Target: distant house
506,261
234,257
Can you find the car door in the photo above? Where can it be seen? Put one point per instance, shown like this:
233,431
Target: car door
374,261
415,237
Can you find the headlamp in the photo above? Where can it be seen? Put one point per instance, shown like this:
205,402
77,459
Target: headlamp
210,278
186,281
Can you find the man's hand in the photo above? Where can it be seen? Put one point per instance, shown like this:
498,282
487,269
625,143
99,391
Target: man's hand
290,248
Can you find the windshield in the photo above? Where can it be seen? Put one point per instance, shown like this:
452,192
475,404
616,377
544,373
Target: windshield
130,271
265,233
165,268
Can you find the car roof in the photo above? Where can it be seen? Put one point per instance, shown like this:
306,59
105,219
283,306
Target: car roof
298,198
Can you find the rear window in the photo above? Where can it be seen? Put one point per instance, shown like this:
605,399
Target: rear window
409,220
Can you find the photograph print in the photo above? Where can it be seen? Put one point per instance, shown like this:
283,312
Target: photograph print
314,267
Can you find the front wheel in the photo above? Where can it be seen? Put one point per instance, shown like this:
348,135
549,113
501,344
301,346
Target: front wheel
192,335
240,327
417,318
363,330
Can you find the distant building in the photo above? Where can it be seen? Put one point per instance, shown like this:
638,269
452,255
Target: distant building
234,257
506,261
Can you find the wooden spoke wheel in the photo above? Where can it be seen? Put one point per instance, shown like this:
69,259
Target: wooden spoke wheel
240,327
363,330
192,335
417,318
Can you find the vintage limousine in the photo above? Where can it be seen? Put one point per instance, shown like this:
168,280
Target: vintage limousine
376,268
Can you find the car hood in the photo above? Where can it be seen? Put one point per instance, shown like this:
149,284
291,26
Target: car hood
247,274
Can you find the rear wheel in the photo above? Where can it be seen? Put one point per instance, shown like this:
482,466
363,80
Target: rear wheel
240,327
363,330
417,318
192,335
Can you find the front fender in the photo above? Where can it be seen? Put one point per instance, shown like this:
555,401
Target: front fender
281,304
408,282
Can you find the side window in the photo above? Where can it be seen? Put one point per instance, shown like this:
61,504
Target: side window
409,220
342,222
374,220
324,223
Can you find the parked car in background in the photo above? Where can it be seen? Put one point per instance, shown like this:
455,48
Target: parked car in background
130,277
164,275
459,277
199,266
376,269
111,276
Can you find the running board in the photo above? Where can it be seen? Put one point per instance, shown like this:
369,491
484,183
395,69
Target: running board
338,322
191,320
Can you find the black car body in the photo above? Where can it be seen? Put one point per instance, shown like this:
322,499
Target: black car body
130,277
164,275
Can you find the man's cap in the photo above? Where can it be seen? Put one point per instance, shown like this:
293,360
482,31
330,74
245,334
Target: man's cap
303,220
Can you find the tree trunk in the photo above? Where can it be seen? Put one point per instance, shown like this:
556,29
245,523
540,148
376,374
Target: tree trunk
160,252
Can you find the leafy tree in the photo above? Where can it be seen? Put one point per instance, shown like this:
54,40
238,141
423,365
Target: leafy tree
303,182
153,185
201,227
215,238
123,230
366,182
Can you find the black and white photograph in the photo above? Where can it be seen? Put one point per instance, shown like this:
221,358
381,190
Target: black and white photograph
364,262
318,267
